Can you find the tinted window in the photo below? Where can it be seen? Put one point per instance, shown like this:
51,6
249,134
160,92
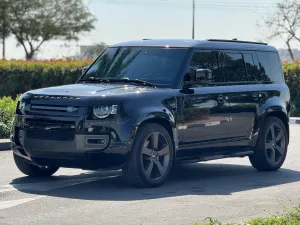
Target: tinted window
160,66
234,67
270,66
252,69
206,60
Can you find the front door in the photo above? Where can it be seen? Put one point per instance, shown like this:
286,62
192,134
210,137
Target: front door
204,128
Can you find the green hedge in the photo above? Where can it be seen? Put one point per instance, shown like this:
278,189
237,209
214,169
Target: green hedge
7,110
17,77
292,76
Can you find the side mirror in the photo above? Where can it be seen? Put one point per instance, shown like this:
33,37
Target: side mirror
84,69
189,78
203,75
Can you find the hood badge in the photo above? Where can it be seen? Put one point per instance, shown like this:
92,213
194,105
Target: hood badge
51,97
71,109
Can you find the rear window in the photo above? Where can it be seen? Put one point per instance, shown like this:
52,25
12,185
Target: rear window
270,66
252,68
234,67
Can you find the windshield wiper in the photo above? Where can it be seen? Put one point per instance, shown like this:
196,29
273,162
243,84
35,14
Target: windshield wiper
125,80
95,79
137,81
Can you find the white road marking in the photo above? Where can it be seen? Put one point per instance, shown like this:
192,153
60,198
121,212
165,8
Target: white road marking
40,187
13,203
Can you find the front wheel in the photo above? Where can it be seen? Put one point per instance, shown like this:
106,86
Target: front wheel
152,157
271,148
32,170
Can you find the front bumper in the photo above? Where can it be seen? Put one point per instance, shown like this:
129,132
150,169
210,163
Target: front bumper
100,150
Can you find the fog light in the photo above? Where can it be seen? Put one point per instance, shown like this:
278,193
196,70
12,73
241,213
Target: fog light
113,135
19,138
96,141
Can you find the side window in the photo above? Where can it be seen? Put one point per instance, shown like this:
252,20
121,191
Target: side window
252,68
270,66
234,67
206,60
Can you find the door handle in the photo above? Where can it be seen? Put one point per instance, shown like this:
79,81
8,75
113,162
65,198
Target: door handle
221,99
256,96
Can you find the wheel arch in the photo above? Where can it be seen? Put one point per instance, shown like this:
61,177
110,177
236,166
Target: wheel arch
280,114
164,119
161,121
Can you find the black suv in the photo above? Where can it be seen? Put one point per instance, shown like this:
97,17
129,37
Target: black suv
143,106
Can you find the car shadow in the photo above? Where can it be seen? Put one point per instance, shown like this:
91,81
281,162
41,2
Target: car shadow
192,179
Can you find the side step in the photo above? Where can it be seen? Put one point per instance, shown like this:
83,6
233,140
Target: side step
205,158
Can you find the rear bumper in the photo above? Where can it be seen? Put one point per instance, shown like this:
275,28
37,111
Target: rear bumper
80,151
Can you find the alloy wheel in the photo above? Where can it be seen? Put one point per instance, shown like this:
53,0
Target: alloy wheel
275,144
155,156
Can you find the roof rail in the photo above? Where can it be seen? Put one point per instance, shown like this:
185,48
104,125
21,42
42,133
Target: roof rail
237,41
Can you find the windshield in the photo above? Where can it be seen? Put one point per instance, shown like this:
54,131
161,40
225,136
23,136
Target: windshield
160,66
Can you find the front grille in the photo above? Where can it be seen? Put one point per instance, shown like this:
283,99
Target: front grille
53,134
50,130
69,109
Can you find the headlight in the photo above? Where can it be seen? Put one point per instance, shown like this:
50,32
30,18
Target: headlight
104,111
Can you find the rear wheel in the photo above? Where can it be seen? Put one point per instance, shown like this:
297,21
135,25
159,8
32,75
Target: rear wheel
32,170
152,157
271,148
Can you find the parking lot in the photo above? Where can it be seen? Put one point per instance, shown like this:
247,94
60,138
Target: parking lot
229,190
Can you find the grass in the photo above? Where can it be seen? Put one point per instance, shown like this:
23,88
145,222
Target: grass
289,217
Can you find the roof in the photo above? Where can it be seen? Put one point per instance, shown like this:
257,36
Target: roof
203,44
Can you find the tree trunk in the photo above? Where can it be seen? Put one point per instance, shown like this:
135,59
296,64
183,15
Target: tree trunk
290,50
3,46
4,28
29,55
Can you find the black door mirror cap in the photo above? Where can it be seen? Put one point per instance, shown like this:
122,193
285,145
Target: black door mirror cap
84,69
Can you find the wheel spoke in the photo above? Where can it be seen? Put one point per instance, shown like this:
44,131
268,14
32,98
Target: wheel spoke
280,149
146,150
268,145
272,155
161,169
272,132
154,139
164,151
279,136
149,169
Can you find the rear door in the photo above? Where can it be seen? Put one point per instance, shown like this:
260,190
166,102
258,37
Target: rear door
244,94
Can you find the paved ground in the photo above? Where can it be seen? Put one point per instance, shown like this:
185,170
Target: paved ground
229,190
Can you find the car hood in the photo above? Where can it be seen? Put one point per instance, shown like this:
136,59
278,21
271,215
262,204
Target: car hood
91,90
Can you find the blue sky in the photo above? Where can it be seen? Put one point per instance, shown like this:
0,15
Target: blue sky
123,20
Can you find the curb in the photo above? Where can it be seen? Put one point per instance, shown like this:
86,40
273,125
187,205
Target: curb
4,144
294,120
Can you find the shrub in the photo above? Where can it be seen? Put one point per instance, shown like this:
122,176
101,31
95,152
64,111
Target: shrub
7,111
290,217
292,76
17,77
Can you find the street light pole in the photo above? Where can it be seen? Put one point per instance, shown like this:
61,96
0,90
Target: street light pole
193,31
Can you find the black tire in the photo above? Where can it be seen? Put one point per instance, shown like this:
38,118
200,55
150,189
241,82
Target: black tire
268,158
33,170
134,170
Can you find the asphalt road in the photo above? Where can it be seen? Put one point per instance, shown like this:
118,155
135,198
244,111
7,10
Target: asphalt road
229,190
